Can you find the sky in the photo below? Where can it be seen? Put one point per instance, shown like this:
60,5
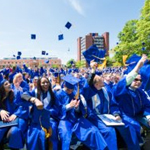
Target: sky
47,18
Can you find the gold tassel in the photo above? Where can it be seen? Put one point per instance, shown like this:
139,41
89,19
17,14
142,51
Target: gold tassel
78,93
48,132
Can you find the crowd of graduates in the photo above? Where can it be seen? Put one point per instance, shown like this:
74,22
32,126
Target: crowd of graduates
58,108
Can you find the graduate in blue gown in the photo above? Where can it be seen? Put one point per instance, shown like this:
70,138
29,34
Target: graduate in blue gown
75,121
45,115
10,111
100,104
132,101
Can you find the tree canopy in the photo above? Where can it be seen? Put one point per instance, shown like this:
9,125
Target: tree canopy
135,36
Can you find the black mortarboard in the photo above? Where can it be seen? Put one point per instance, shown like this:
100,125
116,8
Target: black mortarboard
68,25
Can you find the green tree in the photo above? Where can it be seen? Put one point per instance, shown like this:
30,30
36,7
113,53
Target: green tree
143,30
80,64
135,36
127,38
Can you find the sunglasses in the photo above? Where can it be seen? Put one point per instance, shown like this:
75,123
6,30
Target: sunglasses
138,79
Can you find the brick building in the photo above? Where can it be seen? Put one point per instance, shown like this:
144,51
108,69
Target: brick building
30,62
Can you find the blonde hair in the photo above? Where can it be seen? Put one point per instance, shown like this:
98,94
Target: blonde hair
15,80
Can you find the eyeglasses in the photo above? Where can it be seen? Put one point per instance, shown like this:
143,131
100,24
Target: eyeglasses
138,79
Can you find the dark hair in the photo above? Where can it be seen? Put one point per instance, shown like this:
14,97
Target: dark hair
39,89
3,96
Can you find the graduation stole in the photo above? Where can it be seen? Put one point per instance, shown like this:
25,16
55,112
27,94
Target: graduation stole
84,104
46,103
46,100
96,101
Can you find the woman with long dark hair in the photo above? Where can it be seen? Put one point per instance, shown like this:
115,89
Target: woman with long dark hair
9,112
45,114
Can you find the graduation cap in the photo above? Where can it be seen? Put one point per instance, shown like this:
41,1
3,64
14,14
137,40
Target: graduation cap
131,63
93,34
14,55
68,25
133,59
19,53
60,37
33,36
93,53
51,70
55,74
46,53
71,62
43,52
6,71
18,57
143,48
70,81
2,80
143,43
34,58
46,61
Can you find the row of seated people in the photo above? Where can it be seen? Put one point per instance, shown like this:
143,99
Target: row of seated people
48,118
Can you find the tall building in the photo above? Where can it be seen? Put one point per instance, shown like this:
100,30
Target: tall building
83,43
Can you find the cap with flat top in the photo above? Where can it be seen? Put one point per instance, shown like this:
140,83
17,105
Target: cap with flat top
93,53
70,81
60,37
68,25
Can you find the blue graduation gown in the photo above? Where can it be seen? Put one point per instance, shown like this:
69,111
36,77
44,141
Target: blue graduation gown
108,133
17,135
85,131
132,104
49,117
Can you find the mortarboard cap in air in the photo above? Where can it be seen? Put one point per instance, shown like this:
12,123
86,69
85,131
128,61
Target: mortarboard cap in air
133,59
2,80
68,25
70,81
93,34
93,53
33,36
19,53
51,70
143,43
14,55
60,37
46,61
143,48
18,57
43,52
46,53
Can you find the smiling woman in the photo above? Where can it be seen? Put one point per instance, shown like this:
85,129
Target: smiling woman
45,113
9,111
